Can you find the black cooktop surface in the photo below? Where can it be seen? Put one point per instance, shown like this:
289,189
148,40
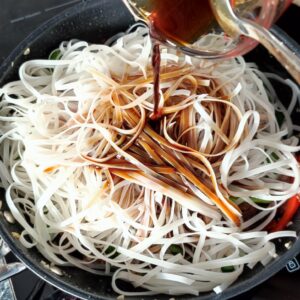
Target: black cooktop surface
17,19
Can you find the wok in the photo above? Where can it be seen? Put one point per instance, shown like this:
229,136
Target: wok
96,21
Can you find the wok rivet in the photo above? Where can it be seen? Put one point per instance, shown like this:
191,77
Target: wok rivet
9,217
27,51
288,245
56,270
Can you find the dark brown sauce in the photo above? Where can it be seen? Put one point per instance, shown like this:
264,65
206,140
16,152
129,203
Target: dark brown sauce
156,71
183,21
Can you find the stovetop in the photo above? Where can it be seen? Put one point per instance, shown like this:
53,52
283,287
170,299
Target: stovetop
17,19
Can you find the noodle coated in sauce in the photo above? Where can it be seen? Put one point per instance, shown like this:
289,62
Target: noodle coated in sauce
178,20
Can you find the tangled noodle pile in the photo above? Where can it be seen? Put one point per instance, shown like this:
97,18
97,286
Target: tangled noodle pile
165,205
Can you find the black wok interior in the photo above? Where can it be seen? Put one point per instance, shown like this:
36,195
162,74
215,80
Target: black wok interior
96,21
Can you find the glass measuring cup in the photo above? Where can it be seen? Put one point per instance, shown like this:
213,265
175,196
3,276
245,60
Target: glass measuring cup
216,38
262,12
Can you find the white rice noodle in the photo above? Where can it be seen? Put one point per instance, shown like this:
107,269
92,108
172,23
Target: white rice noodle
63,121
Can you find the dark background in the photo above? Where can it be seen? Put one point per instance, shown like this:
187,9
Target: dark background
19,18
